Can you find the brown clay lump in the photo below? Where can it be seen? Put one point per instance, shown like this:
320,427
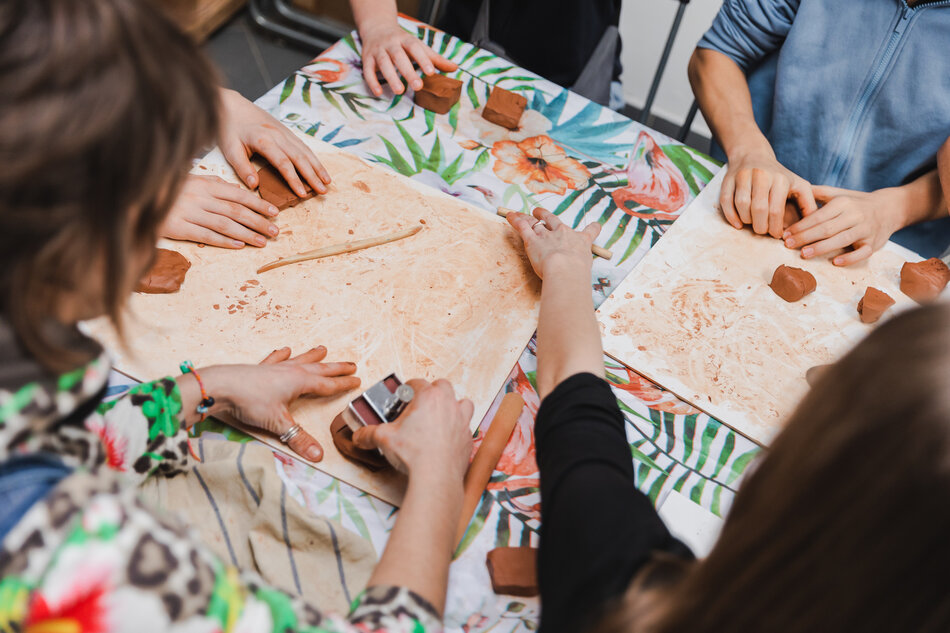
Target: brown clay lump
275,190
504,108
166,274
343,441
513,571
924,281
438,93
873,305
792,284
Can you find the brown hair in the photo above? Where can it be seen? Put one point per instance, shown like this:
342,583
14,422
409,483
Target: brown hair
844,525
102,104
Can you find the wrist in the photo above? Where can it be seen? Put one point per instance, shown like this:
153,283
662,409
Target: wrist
377,21
567,266
440,472
753,145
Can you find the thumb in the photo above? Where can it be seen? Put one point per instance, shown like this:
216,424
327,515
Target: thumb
369,437
825,194
236,155
302,443
592,230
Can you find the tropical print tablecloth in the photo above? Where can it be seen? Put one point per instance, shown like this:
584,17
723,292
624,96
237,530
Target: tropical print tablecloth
585,163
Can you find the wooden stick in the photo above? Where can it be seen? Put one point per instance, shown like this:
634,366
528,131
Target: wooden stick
599,251
485,460
339,249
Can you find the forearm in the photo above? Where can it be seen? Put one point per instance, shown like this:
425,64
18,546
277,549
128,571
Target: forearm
420,546
568,335
920,200
370,12
723,94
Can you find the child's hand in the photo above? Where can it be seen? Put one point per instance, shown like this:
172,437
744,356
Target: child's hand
432,437
390,49
864,221
212,211
550,243
247,130
260,395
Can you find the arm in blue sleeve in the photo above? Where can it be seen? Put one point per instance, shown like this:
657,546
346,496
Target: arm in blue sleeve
748,30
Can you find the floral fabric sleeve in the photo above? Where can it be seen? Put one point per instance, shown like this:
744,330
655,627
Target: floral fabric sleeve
92,558
143,431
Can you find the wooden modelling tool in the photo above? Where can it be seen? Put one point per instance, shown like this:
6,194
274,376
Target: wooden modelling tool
487,456
599,251
340,249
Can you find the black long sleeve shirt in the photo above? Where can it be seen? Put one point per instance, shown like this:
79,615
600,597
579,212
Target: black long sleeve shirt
597,528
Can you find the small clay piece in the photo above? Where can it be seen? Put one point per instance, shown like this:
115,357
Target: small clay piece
513,571
792,284
439,93
504,108
274,189
924,281
873,305
343,440
166,274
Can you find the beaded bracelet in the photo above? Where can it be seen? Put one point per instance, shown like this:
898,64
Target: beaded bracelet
206,401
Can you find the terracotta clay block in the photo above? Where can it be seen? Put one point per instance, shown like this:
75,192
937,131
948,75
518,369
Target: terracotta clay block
439,93
513,570
792,284
343,440
504,108
166,274
873,304
924,281
274,189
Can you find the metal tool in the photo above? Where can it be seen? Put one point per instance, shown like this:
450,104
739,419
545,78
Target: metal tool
381,403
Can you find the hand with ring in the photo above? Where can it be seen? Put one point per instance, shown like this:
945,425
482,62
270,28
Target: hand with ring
260,396
550,243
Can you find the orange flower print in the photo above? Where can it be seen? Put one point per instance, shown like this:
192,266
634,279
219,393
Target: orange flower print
538,164
654,182
653,396
331,75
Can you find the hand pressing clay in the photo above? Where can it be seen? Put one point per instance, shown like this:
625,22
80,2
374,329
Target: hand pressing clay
513,571
924,281
166,274
792,284
504,108
439,93
873,305
273,188
343,440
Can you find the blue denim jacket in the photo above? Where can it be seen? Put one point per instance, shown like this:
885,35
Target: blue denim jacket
850,93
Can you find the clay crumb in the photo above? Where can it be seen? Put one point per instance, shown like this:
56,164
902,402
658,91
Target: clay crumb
216,306
201,245
421,221
350,231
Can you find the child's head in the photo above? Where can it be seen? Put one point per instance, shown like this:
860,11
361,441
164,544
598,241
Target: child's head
102,105
844,524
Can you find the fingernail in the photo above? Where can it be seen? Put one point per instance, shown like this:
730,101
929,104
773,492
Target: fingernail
790,242
272,210
260,241
272,230
237,243
807,252
314,454
252,181
787,234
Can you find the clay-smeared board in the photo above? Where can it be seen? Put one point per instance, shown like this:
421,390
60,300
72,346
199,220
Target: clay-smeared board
458,300
698,317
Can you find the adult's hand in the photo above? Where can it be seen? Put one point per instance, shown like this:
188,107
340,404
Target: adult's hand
549,243
391,50
247,130
260,395
212,211
863,221
431,437
755,191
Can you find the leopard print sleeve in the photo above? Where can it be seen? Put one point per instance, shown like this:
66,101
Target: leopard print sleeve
143,432
91,557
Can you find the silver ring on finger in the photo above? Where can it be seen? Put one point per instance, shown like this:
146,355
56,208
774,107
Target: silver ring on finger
290,434
541,223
